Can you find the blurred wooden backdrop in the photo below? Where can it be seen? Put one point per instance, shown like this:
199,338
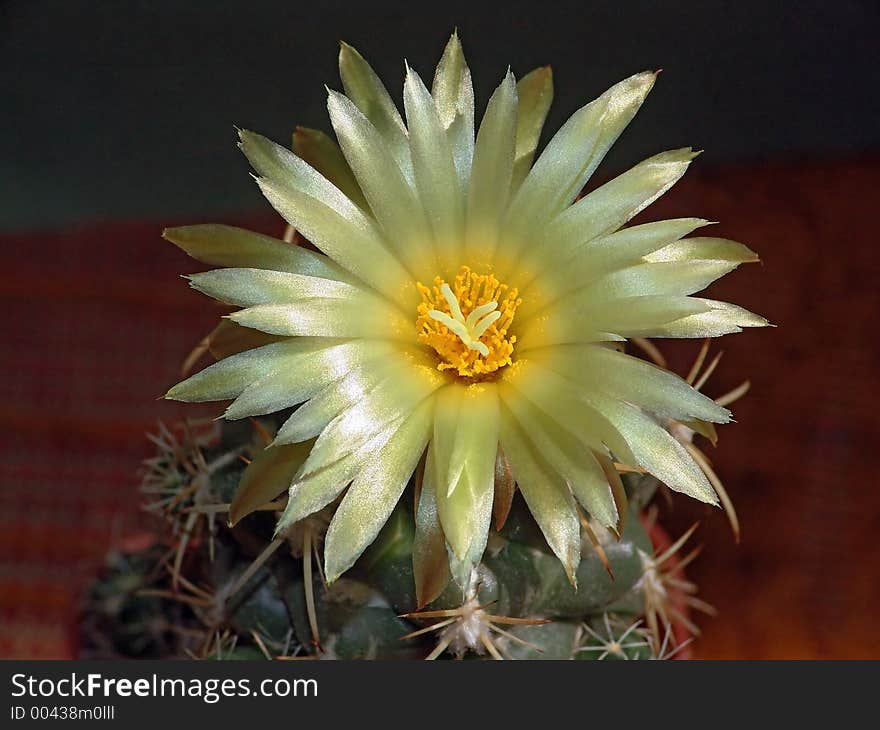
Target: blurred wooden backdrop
800,462
97,321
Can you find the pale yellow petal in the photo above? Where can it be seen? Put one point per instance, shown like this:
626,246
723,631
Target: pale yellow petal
658,452
437,180
453,93
704,248
374,493
569,456
466,441
324,215
557,275
572,407
608,207
297,380
570,158
220,245
324,317
719,318
665,278
489,190
386,404
313,417
546,495
633,380
315,490
535,93
229,377
391,197
245,287
369,94
630,317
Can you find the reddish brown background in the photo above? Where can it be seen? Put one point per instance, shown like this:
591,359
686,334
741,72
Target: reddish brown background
97,321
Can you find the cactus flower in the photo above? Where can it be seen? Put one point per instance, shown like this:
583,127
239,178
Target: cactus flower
463,315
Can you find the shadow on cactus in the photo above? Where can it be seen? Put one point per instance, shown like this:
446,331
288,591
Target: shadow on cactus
450,419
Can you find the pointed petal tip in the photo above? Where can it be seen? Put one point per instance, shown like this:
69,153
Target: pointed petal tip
710,498
676,156
756,321
300,136
275,442
684,154
280,528
345,49
332,570
542,74
643,80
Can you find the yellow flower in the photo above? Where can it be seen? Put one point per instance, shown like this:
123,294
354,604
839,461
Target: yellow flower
463,298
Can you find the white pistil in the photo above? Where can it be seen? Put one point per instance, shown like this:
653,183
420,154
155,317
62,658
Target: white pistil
467,330
485,323
480,311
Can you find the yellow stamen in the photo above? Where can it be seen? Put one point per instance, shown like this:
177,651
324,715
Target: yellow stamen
467,324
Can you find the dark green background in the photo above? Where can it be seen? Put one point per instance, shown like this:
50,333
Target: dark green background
126,109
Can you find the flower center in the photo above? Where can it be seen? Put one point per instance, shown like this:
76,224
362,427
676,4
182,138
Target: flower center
467,323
